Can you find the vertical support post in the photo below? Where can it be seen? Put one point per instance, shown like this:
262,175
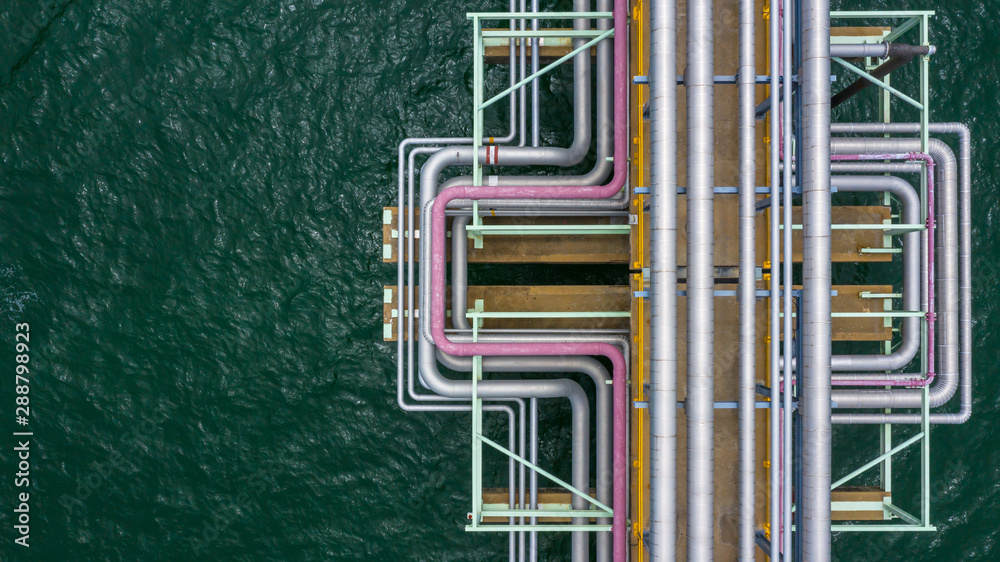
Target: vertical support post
885,102
925,458
477,430
924,84
885,432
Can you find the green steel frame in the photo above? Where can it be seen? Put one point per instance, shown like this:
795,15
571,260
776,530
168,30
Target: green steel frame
479,511
910,19
477,230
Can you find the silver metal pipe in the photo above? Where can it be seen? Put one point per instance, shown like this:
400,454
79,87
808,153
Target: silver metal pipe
582,108
426,351
814,399
512,131
515,156
604,102
663,281
700,411
965,268
866,168
946,249
521,488
910,333
747,282
913,273
404,223
848,51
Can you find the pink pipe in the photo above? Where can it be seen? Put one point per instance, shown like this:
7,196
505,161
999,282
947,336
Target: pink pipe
931,315
438,238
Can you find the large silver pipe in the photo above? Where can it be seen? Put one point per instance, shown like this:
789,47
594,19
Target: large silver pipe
965,268
814,400
458,155
406,222
910,214
747,282
552,156
604,109
580,546
946,248
460,273
663,281
912,275
699,403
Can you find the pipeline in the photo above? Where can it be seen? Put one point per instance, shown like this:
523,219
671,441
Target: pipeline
912,272
947,371
663,281
946,247
747,284
541,192
581,364
814,401
553,156
700,412
552,388
549,156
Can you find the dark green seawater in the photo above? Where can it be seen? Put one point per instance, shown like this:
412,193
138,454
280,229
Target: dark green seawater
190,200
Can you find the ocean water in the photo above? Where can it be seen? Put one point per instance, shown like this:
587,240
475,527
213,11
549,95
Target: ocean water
190,204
